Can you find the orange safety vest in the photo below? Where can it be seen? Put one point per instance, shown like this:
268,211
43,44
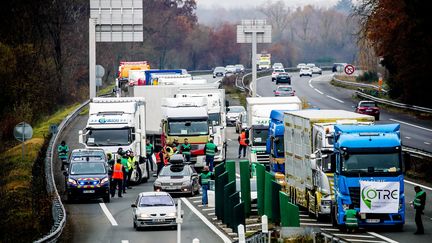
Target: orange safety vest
243,139
118,171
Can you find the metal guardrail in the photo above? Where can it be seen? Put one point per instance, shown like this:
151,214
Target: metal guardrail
58,210
393,103
417,152
355,84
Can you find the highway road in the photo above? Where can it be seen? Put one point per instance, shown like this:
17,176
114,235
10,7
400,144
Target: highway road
319,93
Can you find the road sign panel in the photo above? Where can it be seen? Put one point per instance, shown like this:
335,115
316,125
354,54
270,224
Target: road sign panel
23,132
349,69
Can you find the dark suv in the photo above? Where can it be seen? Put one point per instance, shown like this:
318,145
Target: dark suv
87,179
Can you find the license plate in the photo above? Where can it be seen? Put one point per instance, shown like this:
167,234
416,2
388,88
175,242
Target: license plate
89,191
158,220
372,220
368,110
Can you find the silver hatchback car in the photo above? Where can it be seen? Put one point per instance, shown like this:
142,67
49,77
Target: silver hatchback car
284,90
154,209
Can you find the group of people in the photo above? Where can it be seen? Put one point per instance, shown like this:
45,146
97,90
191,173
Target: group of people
121,171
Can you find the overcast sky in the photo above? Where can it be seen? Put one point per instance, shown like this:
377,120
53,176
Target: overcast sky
254,3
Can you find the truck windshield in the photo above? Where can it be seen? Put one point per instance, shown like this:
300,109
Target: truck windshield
371,163
259,137
214,118
279,145
179,128
109,137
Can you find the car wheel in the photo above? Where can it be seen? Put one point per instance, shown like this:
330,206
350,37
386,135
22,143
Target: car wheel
106,198
333,216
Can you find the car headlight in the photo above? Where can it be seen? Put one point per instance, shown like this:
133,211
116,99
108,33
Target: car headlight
144,215
171,214
104,180
157,183
345,207
186,183
72,181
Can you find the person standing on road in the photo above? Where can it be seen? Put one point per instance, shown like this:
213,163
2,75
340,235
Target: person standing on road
149,153
160,158
131,165
419,205
125,162
110,162
63,150
210,151
205,177
351,220
242,143
185,149
117,178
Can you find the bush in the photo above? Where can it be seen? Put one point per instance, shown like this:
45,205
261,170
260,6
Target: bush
368,76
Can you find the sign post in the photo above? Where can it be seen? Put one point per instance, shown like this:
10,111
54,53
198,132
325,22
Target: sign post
112,21
23,132
254,31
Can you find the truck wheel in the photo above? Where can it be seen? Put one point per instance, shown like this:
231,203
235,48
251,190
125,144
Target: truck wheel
333,216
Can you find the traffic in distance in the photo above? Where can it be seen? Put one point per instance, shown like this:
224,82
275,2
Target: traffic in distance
177,123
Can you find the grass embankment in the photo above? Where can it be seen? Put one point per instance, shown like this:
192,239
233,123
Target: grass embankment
25,205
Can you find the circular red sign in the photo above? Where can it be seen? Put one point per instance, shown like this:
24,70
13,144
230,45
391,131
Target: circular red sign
349,69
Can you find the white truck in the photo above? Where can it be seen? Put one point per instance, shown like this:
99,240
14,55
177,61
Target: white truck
186,118
118,123
309,134
216,112
154,95
258,115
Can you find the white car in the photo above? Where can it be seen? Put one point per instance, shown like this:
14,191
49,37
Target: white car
306,71
316,70
154,209
230,69
218,72
311,65
278,65
276,72
301,65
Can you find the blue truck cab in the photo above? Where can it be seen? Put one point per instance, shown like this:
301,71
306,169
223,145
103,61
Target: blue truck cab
369,175
275,142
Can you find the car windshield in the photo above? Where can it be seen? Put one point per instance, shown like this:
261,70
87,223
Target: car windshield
236,109
230,67
305,69
367,104
91,155
214,118
155,201
195,127
109,137
219,69
369,163
284,89
259,136
85,168
175,171
279,70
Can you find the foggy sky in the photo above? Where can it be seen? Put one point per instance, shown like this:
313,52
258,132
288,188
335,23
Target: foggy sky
254,3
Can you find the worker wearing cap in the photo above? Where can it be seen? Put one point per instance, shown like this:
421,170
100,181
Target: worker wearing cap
205,177
63,150
124,161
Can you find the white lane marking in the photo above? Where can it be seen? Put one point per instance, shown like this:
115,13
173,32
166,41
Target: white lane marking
382,237
206,221
208,209
108,214
197,201
366,241
229,139
416,184
329,229
312,224
426,143
310,83
333,98
352,235
408,137
211,214
310,220
197,197
124,241
409,124
319,91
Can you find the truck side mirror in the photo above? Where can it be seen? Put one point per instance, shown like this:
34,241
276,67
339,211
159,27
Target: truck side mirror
313,161
80,137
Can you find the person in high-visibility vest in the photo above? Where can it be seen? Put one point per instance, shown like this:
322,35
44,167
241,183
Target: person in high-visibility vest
185,149
419,205
351,220
210,151
131,165
149,153
125,163
117,178
63,150
205,177
242,143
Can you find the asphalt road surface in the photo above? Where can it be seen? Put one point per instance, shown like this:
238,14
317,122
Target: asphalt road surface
319,93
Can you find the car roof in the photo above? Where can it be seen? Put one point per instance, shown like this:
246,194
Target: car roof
144,194
284,86
367,101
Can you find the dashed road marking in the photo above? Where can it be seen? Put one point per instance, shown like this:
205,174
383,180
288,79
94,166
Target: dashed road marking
365,241
196,201
206,221
409,124
416,184
427,143
108,214
408,137
382,237
318,91
333,98
124,241
208,209
315,224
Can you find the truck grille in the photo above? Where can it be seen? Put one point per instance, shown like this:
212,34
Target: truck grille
354,193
